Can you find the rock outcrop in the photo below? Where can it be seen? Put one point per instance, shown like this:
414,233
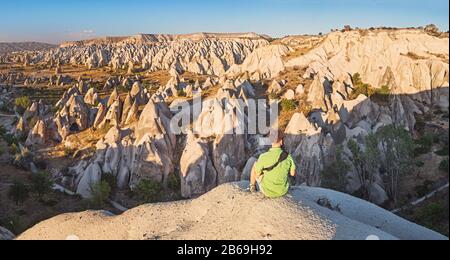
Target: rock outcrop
6,234
214,215
211,54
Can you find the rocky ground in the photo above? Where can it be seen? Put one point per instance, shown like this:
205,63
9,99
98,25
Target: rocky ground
99,111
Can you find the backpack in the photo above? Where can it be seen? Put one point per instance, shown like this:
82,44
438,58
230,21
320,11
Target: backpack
284,155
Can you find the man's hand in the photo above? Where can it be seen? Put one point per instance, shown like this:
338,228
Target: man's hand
252,188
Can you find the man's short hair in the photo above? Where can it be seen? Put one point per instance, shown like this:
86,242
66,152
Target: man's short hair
280,137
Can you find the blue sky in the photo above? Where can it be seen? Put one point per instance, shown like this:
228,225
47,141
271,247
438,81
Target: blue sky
56,21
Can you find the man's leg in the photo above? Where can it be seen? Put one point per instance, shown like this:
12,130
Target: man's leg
255,178
259,184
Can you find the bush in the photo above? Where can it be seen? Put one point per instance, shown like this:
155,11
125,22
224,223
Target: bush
174,182
18,192
22,102
443,151
287,105
13,223
424,189
149,191
420,164
274,96
360,87
10,139
443,166
181,93
41,184
2,131
433,214
100,194
423,145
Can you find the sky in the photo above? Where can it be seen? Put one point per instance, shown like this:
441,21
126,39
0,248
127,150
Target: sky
56,21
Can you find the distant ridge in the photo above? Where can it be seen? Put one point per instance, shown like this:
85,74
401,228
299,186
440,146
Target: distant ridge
8,47
155,38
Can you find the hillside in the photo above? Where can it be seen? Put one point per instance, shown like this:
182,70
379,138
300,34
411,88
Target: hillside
164,38
8,47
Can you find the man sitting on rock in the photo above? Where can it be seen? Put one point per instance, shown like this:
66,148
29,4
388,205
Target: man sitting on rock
271,171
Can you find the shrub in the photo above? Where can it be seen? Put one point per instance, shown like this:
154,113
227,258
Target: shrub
10,139
174,182
100,193
181,93
443,151
273,96
424,189
13,223
111,180
419,164
22,102
423,145
2,131
18,192
149,191
443,165
287,105
433,214
41,184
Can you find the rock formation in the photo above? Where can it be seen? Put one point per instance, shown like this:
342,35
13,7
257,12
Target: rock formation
304,219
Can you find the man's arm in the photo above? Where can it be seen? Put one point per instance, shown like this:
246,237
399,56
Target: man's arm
293,171
254,176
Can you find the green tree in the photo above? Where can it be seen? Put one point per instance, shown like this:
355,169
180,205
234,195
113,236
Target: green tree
100,193
335,174
42,184
18,192
149,191
363,161
396,149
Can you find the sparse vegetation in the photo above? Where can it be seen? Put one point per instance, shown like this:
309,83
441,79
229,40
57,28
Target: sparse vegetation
334,176
443,165
423,189
101,192
149,191
181,93
423,145
18,192
22,103
111,180
174,182
360,88
41,184
433,214
8,138
288,105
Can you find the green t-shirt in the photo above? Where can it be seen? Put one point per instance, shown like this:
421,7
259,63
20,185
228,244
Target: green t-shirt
275,183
